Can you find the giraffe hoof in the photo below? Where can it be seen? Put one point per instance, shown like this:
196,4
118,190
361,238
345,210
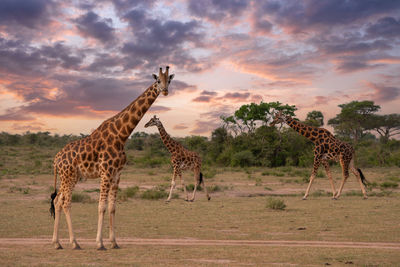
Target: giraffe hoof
304,198
209,198
57,246
101,248
115,246
334,198
76,247
365,197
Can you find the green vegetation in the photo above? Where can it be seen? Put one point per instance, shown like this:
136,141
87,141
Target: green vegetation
127,193
154,194
275,204
81,197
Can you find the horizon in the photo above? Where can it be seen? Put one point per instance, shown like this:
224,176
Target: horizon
65,67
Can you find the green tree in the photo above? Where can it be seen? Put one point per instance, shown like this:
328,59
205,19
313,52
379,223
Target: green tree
315,118
354,119
386,126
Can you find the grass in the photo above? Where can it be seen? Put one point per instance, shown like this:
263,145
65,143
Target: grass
127,193
154,194
275,204
81,198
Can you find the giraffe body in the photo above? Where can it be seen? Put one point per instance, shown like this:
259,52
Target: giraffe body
182,159
327,147
100,154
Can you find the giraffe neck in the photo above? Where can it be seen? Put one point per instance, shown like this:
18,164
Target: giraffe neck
167,140
123,123
309,132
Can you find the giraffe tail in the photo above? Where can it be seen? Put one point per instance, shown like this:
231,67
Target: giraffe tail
201,178
363,180
53,196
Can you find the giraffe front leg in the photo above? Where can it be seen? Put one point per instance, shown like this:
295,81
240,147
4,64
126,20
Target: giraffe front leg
111,210
328,173
172,184
317,162
57,206
104,189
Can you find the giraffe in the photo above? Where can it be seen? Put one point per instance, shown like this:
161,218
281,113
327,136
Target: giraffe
101,154
327,147
181,159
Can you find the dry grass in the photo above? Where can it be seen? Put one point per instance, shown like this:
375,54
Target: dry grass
238,212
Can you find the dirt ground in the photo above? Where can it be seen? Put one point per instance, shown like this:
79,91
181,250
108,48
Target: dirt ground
235,228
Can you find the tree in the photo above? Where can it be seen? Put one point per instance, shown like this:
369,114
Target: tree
315,118
246,117
354,119
386,125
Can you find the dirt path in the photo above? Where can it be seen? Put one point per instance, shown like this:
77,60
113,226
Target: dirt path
199,242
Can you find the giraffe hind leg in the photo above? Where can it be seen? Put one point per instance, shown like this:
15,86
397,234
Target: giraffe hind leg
57,212
329,174
360,178
345,173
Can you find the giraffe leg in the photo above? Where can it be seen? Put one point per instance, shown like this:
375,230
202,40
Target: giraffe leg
104,189
57,206
328,173
355,172
345,172
111,210
172,184
67,212
184,186
317,162
196,184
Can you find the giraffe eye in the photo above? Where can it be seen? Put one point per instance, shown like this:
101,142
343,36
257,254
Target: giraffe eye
158,81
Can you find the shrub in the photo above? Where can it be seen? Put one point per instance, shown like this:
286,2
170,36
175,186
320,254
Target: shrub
128,192
242,159
79,197
275,204
389,184
191,187
154,194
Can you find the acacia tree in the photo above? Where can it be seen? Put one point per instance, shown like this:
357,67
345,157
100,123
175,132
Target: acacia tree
386,126
315,118
249,116
354,120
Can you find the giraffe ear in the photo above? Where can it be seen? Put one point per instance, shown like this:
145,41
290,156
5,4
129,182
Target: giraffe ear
171,77
155,117
154,76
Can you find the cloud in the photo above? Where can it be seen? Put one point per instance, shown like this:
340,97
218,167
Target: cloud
158,109
383,93
13,114
180,126
236,96
204,127
91,25
387,27
316,15
217,10
205,96
27,13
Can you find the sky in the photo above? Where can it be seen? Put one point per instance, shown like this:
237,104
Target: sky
67,65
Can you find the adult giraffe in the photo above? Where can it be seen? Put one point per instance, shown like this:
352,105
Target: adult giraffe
327,147
100,154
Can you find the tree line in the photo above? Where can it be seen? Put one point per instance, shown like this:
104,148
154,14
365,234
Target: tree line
246,139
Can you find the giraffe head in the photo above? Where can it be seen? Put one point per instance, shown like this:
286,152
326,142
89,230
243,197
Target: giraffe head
278,117
163,80
153,122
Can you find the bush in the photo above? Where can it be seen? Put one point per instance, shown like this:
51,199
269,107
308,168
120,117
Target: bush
243,159
389,184
275,204
154,194
79,197
128,192
191,187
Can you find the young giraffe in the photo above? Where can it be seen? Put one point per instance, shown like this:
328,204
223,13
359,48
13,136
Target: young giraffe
181,159
327,147
100,154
